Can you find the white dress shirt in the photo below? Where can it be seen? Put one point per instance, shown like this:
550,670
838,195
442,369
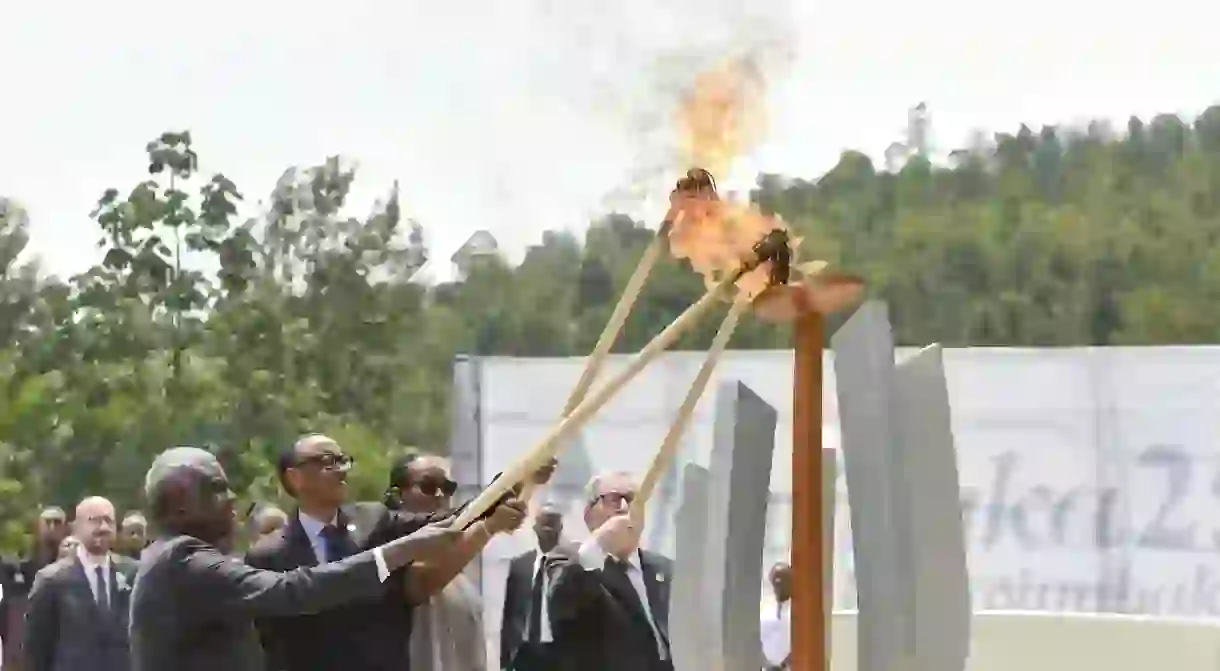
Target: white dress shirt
545,635
91,564
313,529
776,631
593,557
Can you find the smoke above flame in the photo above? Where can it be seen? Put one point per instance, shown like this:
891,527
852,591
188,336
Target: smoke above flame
722,115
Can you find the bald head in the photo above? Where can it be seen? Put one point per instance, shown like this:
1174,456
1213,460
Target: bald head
308,443
176,462
93,506
188,492
94,525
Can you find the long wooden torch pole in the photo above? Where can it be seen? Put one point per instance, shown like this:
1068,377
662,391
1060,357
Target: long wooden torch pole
809,626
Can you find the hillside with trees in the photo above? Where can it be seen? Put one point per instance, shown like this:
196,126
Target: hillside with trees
308,319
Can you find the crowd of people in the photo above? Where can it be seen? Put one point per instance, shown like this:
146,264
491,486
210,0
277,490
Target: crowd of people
337,584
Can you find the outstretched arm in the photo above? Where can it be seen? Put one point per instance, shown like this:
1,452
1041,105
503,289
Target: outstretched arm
227,584
425,579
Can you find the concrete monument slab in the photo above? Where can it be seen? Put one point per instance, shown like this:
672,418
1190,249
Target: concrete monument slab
901,471
738,491
689,624
928,459
881,538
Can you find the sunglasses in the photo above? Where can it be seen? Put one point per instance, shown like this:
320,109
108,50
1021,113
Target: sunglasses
432,487
329,462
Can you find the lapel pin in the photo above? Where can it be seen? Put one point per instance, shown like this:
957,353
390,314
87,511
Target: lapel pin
660,577
351,528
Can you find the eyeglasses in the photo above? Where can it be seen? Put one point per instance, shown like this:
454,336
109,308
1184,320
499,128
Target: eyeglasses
614,499
432,487
329,462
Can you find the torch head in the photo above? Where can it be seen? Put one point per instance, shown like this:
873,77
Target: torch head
775,247
697,183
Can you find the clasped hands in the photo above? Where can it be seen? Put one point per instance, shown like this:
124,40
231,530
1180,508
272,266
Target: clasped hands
510,514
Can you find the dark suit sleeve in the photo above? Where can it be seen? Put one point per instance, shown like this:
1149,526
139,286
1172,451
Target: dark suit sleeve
269,635
571,587
41,623
225,584
510,596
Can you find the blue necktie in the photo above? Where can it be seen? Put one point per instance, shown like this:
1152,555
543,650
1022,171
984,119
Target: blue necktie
335,543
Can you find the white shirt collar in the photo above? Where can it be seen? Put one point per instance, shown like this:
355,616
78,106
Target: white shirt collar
90,562
633,560
313,526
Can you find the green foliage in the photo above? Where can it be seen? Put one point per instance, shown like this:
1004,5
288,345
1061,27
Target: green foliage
308,319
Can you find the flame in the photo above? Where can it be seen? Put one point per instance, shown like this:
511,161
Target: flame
718,236
721,117
723,114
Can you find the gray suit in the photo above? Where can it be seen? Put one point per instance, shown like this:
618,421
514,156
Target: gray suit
193,608
65,627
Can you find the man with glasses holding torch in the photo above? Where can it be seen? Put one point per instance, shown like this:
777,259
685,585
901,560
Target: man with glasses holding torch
365,636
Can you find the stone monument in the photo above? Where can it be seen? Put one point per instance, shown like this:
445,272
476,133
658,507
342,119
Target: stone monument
901,471
689,626
717,591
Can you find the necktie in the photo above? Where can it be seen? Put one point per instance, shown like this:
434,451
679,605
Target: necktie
616,569
103,594
334,540
535,625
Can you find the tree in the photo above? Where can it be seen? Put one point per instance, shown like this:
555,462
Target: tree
198,328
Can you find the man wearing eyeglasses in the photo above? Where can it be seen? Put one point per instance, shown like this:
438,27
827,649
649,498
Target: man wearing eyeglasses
364,636
609,600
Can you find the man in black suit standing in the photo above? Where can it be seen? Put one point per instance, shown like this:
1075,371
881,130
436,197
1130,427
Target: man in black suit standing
193,606
76,617
609,600
50,529
368,634
525,628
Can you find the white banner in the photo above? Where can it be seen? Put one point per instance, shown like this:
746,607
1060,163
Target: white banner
1090,480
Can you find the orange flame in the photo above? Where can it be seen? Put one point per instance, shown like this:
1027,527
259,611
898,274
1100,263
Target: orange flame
720,118
722,115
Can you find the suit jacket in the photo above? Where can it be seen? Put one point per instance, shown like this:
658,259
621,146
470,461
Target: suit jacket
193,608
368,634
518,597
66,629
596,622
19,579
12,610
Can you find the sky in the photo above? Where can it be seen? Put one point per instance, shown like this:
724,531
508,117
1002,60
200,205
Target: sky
519,116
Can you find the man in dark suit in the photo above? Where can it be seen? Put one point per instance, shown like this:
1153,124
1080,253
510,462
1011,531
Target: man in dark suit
76,617
370,634
525,628
609,600
50,529
193,606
